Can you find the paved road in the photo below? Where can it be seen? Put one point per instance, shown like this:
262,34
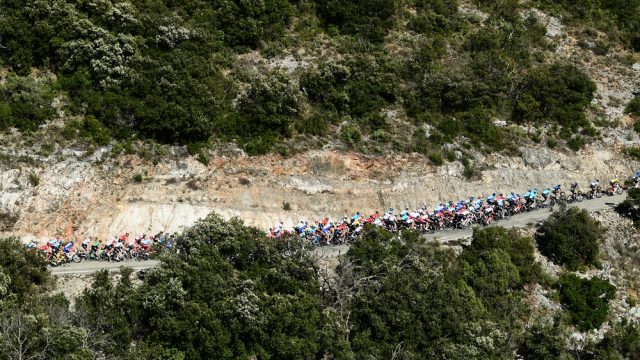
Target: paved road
515,221
86,267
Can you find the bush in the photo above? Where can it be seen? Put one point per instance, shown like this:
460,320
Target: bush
267,110
26,102
586,300
632,152
520,250
571,237
93,129
369,19
434,17
351,135
358,87
621,342
436,158
633,107
630,207
250,23
558,93
34,179
26,269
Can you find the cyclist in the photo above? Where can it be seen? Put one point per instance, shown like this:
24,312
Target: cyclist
573,188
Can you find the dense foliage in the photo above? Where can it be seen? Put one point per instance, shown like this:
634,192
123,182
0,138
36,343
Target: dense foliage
571,237
633,107
409,76
415,300
33,324
230,292
587,300
618,17
558,93
247,295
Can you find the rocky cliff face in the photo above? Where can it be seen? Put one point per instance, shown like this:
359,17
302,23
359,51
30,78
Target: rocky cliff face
73,194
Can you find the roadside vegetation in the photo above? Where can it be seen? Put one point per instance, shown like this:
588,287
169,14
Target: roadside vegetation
232,293
403,76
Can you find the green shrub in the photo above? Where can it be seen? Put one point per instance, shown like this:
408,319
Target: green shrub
451,155
138,178
203,159
586,300
544,341
632,152
558,93
358,87
369,19
633,107
434,17
268,109
381,135
436,158
286,206
316,124
248,23
576,142
469,172
419,142
621,342
93,129
520,250
26,102
571,237
34,179
630,207
351,135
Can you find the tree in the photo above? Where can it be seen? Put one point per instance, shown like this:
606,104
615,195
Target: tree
571,237
229,293
27,270
404,301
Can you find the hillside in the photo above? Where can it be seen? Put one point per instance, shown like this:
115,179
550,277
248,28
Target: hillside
143,116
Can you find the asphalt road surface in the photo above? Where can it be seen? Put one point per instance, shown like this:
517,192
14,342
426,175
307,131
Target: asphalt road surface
88,267
520,220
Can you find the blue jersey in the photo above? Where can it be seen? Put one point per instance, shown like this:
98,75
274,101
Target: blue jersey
68,247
